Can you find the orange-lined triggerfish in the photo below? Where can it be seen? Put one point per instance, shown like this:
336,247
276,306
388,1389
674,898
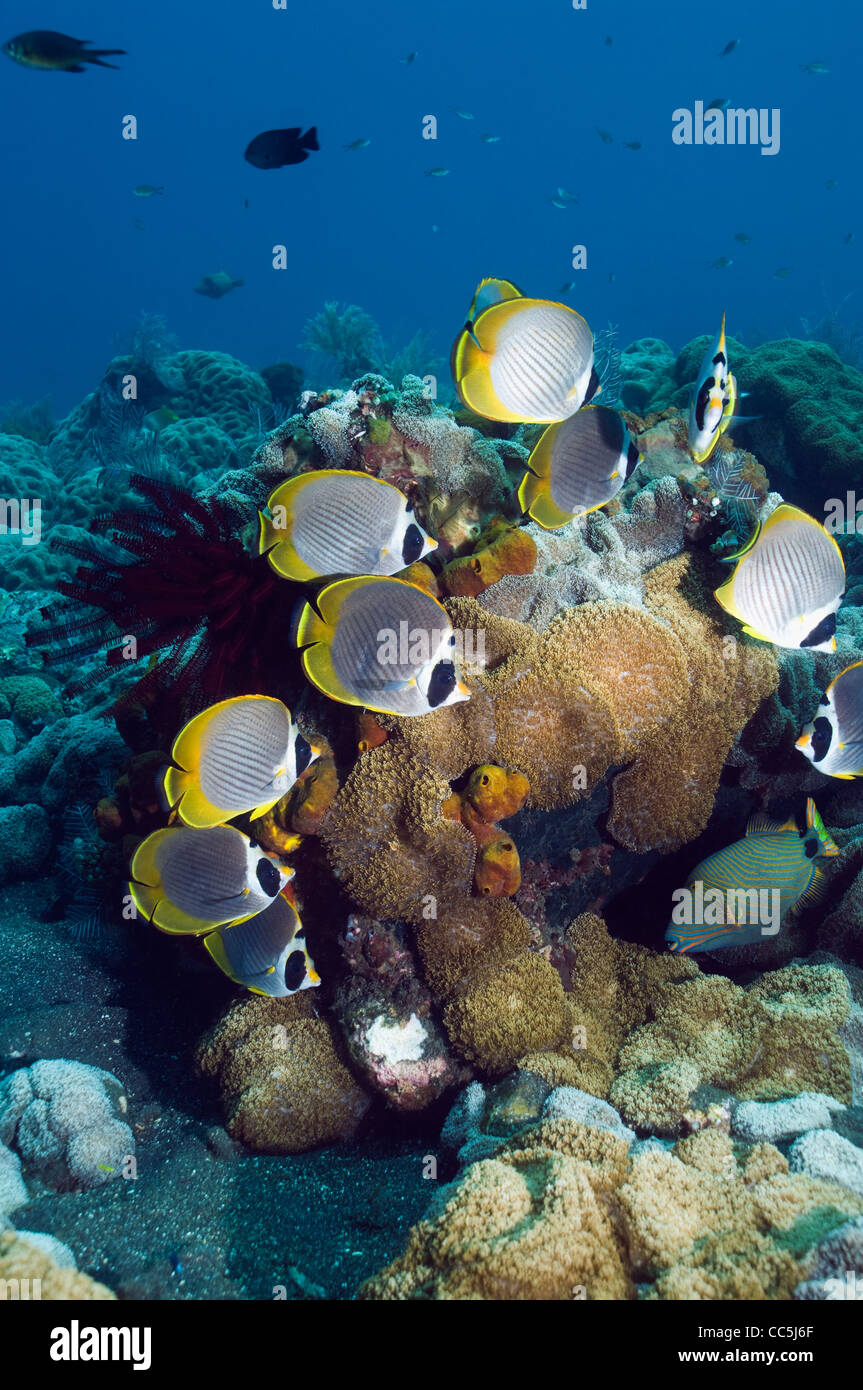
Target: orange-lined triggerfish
741,895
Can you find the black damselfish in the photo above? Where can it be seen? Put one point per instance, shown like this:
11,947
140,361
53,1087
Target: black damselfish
275,148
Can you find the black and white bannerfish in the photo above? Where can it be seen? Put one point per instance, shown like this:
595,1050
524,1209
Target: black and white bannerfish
713,400
788,583
336,521
833,741
577,466
190,881
519,359
383,644
239,755
267,954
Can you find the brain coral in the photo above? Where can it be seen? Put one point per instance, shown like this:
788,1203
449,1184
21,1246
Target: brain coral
560,1213
283,1084
221,387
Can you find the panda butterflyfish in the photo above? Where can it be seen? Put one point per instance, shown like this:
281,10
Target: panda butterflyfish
741,895
788,583
833,741
519,359
239,755
267,953
383,644
577,465
713,400
190,881
336,521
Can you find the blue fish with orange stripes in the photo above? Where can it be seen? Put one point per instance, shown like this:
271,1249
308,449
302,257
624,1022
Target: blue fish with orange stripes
741,895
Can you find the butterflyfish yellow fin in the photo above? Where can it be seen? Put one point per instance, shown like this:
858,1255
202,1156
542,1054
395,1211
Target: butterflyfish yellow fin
143,866
284,559
753,632
200,813
318,666
724,596
170,919
145,899
540,506
311,627
215,946
539,462
853,667
175,784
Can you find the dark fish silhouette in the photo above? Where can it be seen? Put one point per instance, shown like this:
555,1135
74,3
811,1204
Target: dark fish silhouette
729,48
275,148
44,48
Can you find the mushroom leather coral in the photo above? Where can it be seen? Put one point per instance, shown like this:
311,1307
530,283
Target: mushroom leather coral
561,1212
284,1087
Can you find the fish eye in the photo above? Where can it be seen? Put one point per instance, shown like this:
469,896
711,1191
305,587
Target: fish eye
442,683
303,753
295,970
822,737
268,877
412,548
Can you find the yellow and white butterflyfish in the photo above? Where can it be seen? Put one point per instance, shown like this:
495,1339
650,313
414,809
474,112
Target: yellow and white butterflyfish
520,359
267,953
336,521
576,466
189,881
788,583
382,644
833,741
242,754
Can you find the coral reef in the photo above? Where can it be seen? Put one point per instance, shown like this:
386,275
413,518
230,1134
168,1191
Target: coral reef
63,1118
284,1086
561,1212
776,1039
